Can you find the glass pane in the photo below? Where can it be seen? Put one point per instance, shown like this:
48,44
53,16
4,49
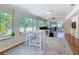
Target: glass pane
5,24
61,26
41,23
22,21
30,24
53,24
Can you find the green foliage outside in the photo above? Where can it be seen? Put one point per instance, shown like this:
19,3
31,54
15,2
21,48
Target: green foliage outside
41,23
22,21
3,29
30,22
5,22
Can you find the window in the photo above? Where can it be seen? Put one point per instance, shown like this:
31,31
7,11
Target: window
53,24
27,25
41,23
22,21
6,28
30,24
60,26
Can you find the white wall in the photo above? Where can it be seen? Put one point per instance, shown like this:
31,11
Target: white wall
68,26
75,32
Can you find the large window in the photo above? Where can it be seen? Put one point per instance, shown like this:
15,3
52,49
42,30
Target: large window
22,21
53,24
60,26
30,24
5,24
27,24
41,23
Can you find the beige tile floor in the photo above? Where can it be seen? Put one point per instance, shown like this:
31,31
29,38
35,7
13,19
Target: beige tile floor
54,46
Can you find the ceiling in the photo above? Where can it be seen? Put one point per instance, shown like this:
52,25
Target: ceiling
59,11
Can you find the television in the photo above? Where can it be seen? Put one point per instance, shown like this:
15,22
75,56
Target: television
74,25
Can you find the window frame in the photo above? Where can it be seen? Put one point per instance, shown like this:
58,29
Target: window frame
3,37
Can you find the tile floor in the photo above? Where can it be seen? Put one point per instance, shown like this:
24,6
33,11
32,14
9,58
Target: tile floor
53,46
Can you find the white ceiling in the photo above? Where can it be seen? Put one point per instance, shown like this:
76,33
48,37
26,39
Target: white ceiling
59,11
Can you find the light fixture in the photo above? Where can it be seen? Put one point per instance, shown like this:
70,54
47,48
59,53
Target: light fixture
48,12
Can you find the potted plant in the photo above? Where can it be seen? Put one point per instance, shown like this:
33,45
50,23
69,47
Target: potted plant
13,34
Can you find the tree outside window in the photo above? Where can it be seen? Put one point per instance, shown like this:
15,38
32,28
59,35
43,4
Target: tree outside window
5,24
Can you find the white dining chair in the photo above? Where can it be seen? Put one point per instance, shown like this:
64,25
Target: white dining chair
37,38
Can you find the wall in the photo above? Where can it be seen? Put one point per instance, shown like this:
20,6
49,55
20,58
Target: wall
67,26
74,32
71,35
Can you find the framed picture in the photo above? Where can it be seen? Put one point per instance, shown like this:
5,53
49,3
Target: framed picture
74,25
